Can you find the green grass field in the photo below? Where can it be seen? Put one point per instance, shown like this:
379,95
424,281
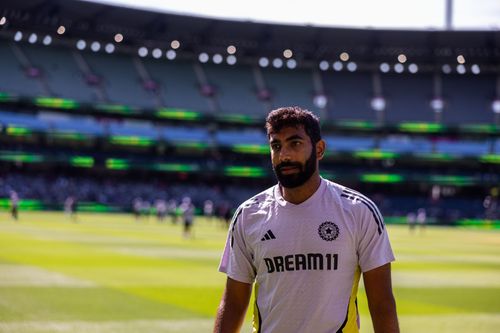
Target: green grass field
108,273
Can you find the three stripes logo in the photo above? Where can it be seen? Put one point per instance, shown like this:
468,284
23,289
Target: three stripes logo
268,235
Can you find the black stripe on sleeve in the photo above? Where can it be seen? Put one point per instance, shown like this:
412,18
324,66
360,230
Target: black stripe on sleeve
368,202
375,216
233,223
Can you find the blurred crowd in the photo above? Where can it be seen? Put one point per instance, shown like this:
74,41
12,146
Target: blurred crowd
161,197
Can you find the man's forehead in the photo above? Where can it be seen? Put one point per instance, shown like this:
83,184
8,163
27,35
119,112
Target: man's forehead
288,131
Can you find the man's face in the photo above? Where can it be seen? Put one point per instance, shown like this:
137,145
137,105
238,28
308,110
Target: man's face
293,156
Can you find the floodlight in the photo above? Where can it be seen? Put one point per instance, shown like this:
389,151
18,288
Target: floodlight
277,63
81,44
263,62
143,51
291,63
323,65
352,66
203,57
384,67
337,66
171,54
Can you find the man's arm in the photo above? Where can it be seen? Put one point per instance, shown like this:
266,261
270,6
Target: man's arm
233,306
381,301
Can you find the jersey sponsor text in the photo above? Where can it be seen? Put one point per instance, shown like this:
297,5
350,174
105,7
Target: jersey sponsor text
302,262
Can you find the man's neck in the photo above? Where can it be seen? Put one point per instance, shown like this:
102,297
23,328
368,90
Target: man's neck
300,194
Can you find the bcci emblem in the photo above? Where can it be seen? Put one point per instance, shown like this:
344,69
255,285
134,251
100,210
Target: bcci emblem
328,231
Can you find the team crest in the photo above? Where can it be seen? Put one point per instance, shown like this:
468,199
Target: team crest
328,231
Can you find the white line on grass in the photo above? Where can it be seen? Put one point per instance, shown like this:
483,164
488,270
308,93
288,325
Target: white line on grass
21,275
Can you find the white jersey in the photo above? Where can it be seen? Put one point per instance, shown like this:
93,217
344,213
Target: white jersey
306,259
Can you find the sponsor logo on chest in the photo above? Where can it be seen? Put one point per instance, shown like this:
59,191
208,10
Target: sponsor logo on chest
304,259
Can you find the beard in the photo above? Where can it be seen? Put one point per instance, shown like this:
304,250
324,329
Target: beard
306,170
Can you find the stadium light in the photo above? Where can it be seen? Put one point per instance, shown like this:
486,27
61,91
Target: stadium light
263,62
203,57
402,58
231,49
109,48
475,69
323,65
461,69
277,63
413,68
231,60
437,104
320,101
217,58
156,53
446,69
18,36
3,20
95,46
118,38
175,44
338,66
384,67
378,103
81,44
291,63
47,40
461,59
32,38
143,51
352,66
61,30
171,54
344,56
399,68
287,53
495,106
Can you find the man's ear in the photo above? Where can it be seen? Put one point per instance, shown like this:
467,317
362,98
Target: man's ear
320,149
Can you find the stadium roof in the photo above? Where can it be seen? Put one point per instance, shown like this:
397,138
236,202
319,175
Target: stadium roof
381,14
91,20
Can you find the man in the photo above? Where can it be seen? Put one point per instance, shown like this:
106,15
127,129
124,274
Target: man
305,243
14,204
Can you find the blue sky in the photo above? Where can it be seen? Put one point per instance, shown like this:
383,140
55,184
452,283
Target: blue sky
415,14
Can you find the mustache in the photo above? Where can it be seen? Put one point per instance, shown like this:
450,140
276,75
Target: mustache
288,164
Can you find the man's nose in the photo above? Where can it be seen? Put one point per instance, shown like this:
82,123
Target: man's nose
285,154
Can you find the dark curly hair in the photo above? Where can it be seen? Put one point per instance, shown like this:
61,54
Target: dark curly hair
294,116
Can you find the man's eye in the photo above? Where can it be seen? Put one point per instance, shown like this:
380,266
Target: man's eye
275,147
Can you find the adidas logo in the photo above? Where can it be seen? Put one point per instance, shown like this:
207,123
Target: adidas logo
269,235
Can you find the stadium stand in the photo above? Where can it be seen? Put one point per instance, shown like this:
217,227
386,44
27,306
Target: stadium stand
183,125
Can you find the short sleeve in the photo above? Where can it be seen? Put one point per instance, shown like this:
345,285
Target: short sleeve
236,259
374,248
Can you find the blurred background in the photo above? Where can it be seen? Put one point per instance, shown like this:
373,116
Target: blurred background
110,108
107,104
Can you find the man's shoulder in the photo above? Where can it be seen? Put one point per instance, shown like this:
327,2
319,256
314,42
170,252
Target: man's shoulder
350,198
259,200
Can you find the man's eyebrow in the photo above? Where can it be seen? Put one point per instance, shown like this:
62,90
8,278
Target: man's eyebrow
290,138
294,137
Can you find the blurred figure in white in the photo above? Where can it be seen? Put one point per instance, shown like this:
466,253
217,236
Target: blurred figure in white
172,210
136,207
70,207
411,219
208,210
490,204
187,208
421,218
161,209
14,205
